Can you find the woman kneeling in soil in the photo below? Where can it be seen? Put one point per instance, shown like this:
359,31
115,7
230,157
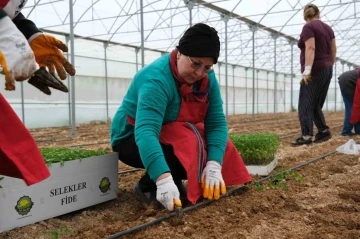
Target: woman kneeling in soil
172,123
349,83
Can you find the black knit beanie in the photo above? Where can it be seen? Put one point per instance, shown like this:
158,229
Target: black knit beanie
200,40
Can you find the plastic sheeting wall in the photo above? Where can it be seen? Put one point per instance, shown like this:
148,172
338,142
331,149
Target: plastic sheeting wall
39,110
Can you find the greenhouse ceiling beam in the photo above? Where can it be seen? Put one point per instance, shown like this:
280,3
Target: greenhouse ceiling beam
33,7
41,4
297,9
122,10
248,21
178,37
243,19
131,46
97,40
163,21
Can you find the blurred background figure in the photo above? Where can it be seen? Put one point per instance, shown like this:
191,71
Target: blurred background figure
350,91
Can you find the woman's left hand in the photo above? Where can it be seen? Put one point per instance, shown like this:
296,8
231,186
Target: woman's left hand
212,181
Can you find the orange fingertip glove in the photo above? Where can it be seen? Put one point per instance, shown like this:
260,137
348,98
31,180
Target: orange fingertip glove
48,53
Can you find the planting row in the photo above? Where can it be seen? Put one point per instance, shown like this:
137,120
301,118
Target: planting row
81,178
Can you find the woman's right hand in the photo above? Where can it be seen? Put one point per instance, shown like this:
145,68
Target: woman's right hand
167,192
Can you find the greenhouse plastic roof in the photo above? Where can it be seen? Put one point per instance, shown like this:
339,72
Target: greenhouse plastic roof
119,21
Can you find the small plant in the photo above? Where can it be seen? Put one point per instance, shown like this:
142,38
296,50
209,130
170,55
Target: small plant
279,180
256,149
56,234
61,155
293,109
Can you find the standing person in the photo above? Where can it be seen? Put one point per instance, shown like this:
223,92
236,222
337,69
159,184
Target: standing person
349,83
172,123
318,55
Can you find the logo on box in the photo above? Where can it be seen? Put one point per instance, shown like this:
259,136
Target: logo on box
104,185
24,205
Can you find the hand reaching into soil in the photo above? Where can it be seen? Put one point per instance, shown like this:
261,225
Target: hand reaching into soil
212,181
167,192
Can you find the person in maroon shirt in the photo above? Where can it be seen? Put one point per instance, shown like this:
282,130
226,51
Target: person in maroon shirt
318,54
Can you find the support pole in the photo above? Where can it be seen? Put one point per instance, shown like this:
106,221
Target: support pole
292,74
72,61
233,67
106,81
275,37
142,33
190,5
267,91
253,29
246,89
225,18
67,39
22,102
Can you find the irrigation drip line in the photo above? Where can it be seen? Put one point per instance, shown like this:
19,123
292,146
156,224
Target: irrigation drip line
204,203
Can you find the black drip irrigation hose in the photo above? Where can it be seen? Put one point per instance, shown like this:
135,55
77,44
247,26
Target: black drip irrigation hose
198,205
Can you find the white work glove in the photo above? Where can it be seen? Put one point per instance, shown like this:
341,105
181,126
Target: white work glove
212,181
167,193
306,75
16,57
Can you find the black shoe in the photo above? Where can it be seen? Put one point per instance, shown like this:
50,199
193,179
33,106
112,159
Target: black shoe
301,141
322,136
348,134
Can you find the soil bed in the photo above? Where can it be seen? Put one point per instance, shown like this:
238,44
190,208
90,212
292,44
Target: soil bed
320,201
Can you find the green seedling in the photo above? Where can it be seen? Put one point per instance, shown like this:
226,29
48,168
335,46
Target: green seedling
279,180
256,149
56,234
61,155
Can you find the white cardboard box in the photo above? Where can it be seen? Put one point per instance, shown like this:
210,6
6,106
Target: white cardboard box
72,186
262,170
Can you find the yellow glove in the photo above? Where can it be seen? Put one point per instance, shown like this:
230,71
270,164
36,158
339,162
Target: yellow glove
47,54
211,181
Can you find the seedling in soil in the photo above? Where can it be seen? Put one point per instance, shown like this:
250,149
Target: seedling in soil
56,234
279,180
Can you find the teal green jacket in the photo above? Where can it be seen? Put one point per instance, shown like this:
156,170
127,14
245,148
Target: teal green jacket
152,100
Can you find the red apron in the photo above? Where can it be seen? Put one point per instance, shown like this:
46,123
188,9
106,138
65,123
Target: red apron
355,112
182,135
19,154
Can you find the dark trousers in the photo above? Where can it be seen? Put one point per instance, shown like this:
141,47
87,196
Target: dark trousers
348,102
311,100
129,154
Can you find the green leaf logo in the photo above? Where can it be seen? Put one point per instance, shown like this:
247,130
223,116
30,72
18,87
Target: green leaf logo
24,205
